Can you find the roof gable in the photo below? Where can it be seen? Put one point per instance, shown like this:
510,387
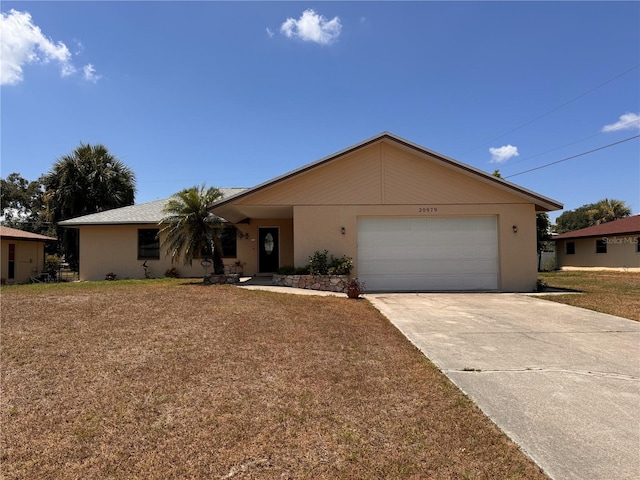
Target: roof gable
384,170
622,226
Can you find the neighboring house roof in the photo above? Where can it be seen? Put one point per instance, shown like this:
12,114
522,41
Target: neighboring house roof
542,203
14,233
622,226
149,212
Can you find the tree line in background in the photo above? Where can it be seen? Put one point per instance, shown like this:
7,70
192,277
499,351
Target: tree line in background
591,214
91,180
88,180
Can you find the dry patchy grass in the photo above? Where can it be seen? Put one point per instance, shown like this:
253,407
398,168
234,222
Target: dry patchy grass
616,293
167,379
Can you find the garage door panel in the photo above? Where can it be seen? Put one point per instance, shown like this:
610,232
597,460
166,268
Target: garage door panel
455,253
441,283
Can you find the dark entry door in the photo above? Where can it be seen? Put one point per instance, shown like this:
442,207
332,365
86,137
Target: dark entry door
269,253
12,261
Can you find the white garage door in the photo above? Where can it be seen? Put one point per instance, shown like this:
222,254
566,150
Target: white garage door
426,254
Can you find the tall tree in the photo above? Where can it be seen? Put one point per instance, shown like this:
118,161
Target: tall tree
191,231
607,210
543,233
21,202
88,180
591,214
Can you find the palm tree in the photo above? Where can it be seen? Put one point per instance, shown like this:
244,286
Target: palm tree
607,210
88,180
190,229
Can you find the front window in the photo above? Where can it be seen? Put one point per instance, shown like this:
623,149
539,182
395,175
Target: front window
228,240
228,237
571,248
148,244
601,246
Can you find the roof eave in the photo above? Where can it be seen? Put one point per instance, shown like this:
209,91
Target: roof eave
568,236
29,239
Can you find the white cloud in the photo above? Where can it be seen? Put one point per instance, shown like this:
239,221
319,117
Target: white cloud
269,32
627,121
89,73
22,43
502,154
312,27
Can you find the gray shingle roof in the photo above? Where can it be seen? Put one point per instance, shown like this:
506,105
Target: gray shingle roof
149,212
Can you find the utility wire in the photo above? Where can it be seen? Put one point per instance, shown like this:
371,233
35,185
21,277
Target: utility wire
550,111
511,163
573,156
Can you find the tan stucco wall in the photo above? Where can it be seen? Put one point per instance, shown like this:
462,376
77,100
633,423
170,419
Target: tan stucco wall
114,248
383,174
621,253
29,260
319,228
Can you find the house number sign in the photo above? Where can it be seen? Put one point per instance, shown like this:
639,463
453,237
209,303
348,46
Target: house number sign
427,209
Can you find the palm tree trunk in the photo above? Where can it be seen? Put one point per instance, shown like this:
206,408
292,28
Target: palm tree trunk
218,264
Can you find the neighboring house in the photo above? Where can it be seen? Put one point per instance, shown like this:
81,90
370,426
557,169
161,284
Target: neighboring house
411,219
22,255
610,245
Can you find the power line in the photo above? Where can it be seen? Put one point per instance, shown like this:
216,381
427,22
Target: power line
565,145
551,111
573,156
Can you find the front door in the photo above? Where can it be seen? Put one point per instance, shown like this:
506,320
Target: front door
269,252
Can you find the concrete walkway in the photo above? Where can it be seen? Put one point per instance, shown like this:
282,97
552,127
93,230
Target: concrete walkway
264,283
562,382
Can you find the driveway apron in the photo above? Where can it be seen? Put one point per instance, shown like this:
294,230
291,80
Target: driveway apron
562,382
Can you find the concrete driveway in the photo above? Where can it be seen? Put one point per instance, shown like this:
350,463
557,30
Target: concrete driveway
561,381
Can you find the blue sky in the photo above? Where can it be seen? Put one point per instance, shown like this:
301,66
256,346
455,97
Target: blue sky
235,93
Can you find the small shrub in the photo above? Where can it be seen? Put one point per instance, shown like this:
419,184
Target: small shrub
287,270
172,273
340,266
319,263
52,263
110,276
291,270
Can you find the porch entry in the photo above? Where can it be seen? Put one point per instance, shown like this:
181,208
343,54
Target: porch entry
268,249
